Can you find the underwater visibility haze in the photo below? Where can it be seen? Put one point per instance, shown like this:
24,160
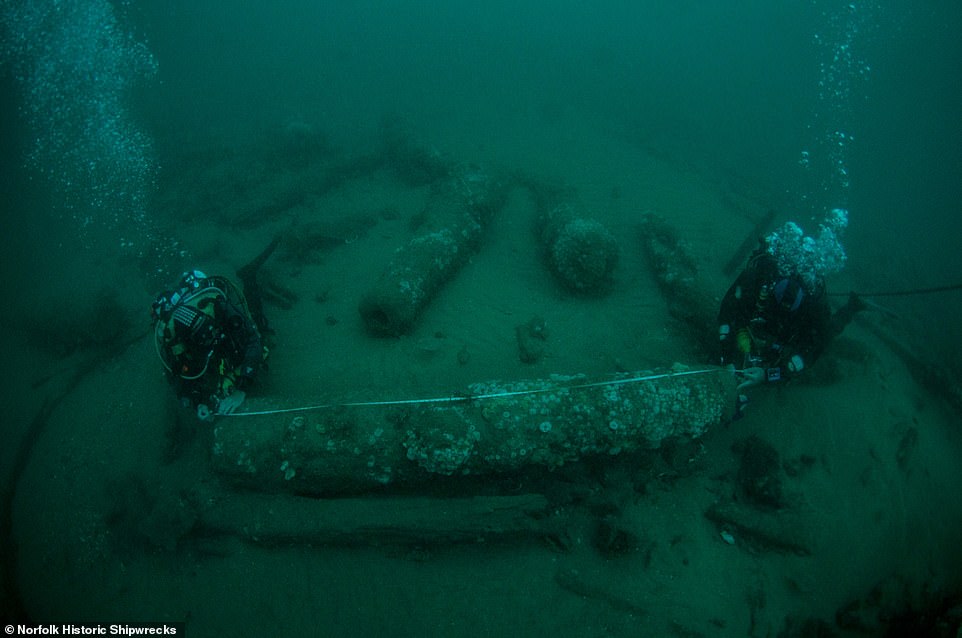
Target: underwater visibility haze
484,246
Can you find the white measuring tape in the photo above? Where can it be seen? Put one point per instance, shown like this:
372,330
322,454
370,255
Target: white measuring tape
479,397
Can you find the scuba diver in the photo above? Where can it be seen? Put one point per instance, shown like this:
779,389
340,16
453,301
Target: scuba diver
208,342
775,319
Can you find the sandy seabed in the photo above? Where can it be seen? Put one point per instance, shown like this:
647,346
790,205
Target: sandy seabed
877,500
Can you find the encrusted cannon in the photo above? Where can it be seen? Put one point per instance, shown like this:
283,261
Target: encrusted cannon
494,429
458,210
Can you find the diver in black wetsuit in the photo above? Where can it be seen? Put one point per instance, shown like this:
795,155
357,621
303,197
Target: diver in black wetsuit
771,325
775,319
210,337
208,342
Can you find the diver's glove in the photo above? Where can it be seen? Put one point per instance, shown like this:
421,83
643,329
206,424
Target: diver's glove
751,377
796,364
231,402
